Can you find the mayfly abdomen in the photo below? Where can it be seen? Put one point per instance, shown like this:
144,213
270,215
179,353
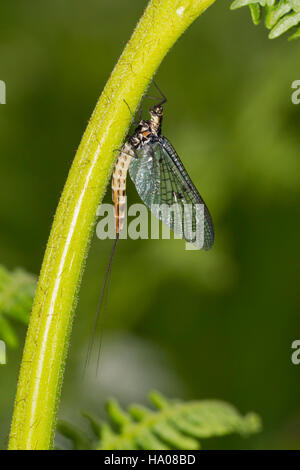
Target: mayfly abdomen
125,156
119,184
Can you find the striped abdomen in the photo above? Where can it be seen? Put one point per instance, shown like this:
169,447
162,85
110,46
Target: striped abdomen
119,184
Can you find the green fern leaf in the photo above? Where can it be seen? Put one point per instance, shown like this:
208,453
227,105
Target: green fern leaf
173,425
242,3
283,25
295,5
79,439
281,15
16,295
273,15
255,13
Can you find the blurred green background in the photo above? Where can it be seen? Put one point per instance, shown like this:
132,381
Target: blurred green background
190,324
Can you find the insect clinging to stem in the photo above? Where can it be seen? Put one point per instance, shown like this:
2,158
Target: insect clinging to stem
160,179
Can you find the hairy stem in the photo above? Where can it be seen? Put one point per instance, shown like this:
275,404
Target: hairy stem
48,334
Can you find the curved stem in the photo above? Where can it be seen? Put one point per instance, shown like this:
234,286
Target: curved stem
48,334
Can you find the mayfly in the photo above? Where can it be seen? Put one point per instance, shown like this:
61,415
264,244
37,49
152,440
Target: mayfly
160,179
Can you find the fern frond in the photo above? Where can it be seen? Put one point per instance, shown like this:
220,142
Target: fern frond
16,295
173,425
281,15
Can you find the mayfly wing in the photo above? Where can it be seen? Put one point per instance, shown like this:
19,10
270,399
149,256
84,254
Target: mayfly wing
160,178
189,193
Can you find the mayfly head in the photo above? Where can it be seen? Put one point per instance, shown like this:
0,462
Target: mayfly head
156,111
156,115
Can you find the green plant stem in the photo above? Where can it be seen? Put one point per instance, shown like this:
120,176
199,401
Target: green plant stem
48,334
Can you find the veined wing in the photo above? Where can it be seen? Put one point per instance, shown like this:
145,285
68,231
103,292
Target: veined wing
163,183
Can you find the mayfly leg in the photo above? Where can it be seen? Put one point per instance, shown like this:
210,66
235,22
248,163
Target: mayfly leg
163,97
119,200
